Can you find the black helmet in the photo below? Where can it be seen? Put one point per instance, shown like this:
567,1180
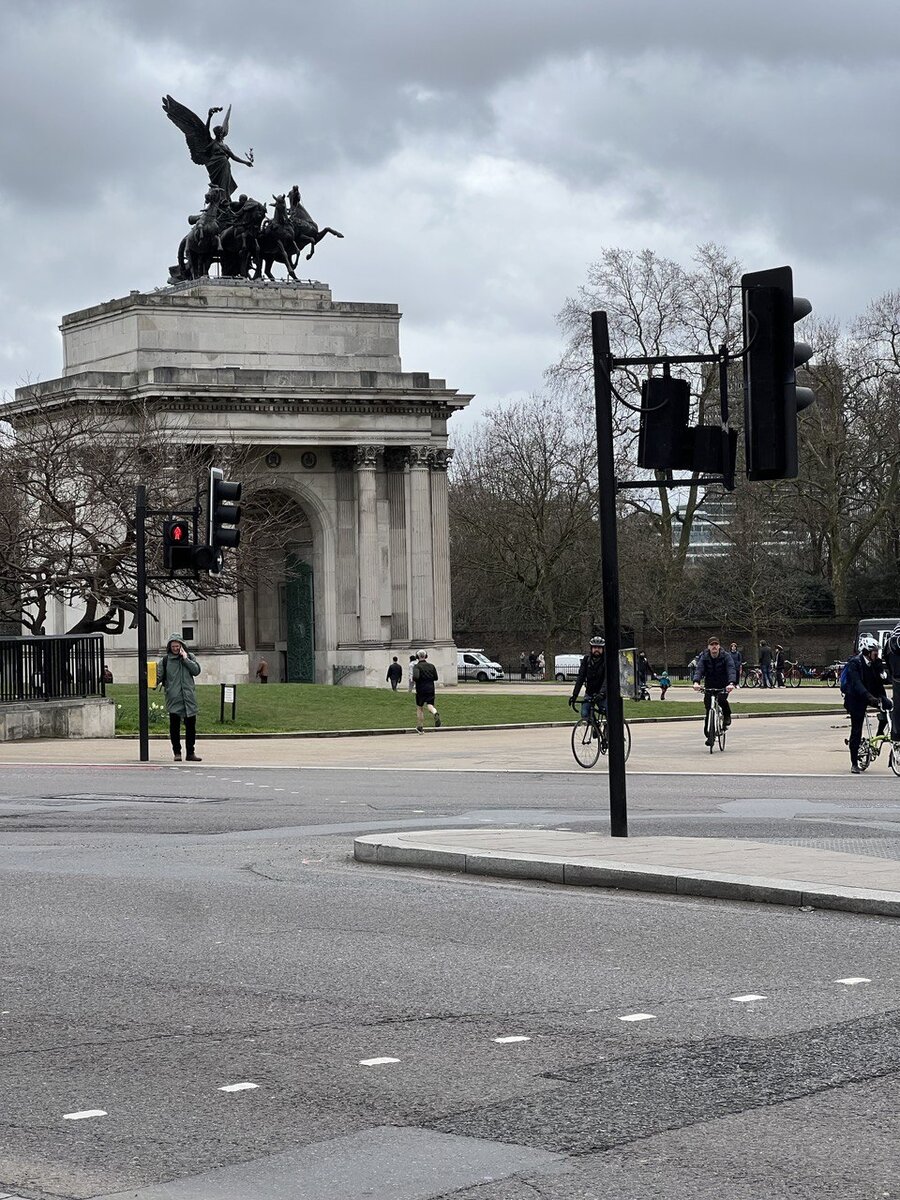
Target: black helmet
597,641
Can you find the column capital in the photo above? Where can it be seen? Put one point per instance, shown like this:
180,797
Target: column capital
366,456
441,459
421,456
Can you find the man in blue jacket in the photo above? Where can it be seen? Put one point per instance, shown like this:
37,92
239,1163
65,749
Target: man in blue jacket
864,688
714,672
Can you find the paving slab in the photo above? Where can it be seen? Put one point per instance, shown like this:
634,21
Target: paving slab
718,868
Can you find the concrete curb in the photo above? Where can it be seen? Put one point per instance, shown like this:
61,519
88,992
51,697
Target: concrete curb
341,733
382,850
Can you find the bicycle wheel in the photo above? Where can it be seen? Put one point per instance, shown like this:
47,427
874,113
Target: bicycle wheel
627,740
720,727
831,679
864,755
751,679
585,743
894,758
794,679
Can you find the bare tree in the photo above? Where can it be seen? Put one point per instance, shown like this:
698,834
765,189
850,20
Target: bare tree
67,495
523,536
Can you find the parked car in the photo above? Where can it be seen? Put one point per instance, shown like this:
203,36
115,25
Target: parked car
474,664
565,666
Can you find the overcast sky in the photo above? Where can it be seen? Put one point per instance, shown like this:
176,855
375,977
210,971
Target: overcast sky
476,155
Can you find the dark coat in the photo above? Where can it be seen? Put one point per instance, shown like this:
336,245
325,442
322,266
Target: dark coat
176,675
591,676
892,665
765,656
863,684
425,675
715,672
394,671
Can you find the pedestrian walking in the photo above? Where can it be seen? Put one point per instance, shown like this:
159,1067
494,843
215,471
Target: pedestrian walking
541,664
262,671
533,662
425,677
664,683
107,674
394,674
765,663
175,673
863,687
738,659
411,683
522,666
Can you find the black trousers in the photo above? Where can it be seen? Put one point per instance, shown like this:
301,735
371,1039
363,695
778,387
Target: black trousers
857,717
190,732
724,705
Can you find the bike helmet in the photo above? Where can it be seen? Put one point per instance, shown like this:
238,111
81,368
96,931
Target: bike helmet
597,641
867,644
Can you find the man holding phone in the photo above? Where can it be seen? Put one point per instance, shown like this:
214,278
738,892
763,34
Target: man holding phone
175,673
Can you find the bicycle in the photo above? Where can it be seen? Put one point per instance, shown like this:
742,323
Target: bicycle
793,673
752,677
714,725
590,736
871,746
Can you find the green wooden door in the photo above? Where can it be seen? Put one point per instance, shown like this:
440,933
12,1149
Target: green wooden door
301,662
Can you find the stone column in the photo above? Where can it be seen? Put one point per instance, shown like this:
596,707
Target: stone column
227,608
207,636
420,547
346,570
396,462
367,514
440,537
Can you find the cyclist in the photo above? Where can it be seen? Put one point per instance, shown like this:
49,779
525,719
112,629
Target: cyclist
591,677
714,672
863,686
892,664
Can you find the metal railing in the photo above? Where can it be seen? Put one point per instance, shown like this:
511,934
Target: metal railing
51,668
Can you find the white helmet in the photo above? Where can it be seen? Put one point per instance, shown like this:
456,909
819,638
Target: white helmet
867,643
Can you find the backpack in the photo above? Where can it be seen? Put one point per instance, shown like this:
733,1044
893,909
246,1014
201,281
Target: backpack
843,680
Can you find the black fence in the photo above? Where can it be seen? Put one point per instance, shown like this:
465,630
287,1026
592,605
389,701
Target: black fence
51,668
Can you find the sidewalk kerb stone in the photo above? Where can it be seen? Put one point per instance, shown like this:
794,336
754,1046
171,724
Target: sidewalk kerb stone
487,862
618,875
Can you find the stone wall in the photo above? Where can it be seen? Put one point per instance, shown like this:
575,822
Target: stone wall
90,718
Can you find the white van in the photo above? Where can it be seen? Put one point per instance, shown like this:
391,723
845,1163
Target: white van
474,664
565,666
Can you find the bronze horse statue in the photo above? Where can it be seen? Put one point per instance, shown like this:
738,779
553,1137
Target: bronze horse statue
306,231
276,242
202,245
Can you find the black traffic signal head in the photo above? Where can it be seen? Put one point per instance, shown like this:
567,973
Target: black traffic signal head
771,396
178,548
224,514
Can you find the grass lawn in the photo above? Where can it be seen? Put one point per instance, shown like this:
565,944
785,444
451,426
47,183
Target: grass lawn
296,707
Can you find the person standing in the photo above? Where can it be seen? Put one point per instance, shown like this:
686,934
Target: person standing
664,683
765,663
394,674
779,667
522,666
262,671
425,677
176,672
864,686
738,659
411,683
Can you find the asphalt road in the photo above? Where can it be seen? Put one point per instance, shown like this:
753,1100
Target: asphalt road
168,933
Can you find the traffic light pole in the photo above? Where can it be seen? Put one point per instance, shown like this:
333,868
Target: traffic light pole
140,520
609,565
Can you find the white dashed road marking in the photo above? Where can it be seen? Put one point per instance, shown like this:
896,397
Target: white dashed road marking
746,999
518,1038
638,1017
852,979
246,1086
85,1114
376,1062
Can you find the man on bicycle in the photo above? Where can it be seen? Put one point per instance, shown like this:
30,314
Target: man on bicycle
591,677
714,672
864,688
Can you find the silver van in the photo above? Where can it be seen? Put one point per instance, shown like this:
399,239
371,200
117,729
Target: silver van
474,664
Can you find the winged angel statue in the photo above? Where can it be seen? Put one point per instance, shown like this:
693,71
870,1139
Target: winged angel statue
208,148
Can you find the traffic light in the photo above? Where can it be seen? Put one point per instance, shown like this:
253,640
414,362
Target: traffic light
224,514
771,396
178,550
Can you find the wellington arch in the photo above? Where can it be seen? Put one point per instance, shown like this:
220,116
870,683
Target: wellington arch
355,446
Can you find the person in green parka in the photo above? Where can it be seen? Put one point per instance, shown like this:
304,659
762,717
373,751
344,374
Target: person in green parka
175,673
